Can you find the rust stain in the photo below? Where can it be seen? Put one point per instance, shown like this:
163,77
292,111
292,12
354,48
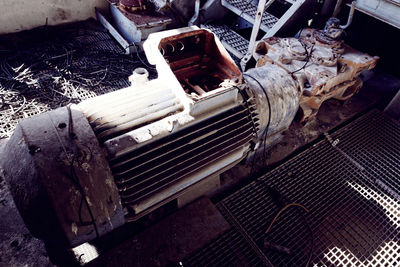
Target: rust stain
328,69
61,14
198,63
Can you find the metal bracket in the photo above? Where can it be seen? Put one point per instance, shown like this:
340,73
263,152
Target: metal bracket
129,48
256,27
350,18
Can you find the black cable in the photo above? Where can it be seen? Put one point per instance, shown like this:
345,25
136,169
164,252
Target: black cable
307,58
141,60
264,135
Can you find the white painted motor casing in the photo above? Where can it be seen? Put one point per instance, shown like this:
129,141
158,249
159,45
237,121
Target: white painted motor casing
86,169
152,115
164,136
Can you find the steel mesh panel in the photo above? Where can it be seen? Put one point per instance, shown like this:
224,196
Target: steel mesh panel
373,142
354,220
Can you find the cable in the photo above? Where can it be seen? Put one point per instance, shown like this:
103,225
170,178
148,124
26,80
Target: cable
293,204
308,56
141,60
281,211
265,133
75,179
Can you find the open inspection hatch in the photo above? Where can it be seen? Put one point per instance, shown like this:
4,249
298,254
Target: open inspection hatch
352,192
198,63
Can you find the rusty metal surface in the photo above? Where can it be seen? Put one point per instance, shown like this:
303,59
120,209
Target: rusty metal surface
62,186
276,96
146,18
323,66
134,5
198,63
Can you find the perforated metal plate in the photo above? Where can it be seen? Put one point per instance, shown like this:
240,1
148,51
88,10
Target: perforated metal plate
351,191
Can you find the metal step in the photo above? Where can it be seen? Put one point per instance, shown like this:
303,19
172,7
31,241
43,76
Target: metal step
247,10
289,14
231,40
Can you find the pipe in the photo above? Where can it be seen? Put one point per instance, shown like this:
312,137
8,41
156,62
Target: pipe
351,14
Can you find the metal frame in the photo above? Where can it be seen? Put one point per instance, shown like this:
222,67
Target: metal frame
288,14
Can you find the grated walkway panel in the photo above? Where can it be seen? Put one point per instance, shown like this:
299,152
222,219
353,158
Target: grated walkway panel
247,10
350,189
232,41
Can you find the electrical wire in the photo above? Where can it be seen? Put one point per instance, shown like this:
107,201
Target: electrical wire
281,211
265,133
75,179
140,58
307,58
276,217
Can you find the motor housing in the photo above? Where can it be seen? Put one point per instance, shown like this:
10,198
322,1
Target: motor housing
86,169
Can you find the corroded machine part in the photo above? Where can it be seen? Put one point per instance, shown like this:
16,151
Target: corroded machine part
276,96
136,19
133,5
323,67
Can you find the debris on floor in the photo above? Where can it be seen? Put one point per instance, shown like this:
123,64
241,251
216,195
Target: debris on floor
51,67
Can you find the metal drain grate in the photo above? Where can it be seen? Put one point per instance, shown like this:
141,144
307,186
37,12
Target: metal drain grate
375,148
355,220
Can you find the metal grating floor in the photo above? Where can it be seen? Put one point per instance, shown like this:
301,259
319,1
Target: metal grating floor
232,41
58,66
351,190
248,10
